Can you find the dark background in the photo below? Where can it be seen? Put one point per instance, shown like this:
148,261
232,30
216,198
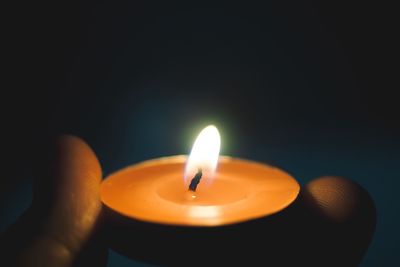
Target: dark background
304,85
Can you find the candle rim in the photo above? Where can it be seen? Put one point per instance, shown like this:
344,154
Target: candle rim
182,158
179,157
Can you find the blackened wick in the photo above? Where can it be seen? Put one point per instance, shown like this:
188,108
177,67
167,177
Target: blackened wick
195,181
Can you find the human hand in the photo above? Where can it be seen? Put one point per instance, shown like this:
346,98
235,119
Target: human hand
339,218
60,228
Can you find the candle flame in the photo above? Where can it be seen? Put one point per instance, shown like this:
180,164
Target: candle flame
204,155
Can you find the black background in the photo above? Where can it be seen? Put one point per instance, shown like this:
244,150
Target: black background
308,86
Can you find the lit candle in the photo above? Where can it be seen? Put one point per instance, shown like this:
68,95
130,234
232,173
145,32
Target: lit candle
186,199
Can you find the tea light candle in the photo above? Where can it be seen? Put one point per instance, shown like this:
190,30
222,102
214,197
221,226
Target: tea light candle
204,190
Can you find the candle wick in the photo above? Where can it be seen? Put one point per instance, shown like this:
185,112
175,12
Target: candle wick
195,181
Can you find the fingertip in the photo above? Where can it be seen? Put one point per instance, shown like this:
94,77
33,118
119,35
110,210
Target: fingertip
342,218
73,153
339,199
66,158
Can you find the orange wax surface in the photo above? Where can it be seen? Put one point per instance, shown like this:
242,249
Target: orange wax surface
241,190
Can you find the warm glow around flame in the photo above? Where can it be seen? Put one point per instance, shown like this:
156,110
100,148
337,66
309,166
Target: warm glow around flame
204,155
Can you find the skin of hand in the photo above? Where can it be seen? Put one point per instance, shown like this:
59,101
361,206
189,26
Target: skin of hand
62,227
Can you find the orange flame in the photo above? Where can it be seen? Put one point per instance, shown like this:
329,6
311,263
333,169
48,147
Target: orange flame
204,155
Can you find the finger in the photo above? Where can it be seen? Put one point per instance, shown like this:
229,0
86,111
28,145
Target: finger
65,209
342,219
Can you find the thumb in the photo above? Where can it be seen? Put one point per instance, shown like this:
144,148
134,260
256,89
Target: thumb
59,226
